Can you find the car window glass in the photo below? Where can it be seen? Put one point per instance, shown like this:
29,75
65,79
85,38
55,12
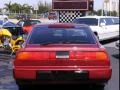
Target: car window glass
71,35
109,21
102,20
33,22
115,20
88,21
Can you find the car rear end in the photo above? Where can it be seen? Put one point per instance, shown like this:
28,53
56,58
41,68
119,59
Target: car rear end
65,59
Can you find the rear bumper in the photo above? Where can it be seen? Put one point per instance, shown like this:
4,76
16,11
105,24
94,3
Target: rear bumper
66,75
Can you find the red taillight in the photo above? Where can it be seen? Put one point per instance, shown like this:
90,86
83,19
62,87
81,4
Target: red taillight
91,55
35,55
72,56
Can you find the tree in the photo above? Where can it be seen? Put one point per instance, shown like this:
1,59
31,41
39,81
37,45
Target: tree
113,13
43,7
8,6
25,8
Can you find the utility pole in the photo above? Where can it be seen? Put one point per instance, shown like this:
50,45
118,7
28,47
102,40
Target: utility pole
102,13
36,9
106,6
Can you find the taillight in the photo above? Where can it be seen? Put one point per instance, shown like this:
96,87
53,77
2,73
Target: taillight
22,55
91,56
82,55
35,55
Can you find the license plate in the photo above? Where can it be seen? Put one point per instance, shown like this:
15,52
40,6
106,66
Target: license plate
62,54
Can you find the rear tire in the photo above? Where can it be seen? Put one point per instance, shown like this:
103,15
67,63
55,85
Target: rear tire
97,86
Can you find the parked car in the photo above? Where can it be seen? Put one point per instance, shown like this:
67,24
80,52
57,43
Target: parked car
11,36
23,17
52,15
62,53
104,27
27,24
12,27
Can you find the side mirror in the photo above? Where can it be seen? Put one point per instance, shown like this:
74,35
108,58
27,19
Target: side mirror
102,24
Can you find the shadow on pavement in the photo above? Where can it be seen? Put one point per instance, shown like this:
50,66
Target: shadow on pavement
108,41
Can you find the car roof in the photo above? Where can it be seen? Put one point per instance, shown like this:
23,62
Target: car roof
97,17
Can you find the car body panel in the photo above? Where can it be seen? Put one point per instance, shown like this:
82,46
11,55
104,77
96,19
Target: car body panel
56,61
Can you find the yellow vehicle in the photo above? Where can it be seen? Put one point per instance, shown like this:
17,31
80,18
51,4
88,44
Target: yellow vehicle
10,42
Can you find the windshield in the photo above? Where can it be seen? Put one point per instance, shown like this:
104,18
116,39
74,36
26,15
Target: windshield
61,35
88,21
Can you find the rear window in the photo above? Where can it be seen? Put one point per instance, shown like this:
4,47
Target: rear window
61,35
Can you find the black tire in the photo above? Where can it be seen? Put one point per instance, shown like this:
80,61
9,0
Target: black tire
25,86
97,86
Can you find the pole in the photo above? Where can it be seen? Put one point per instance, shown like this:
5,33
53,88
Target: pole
102,9
109,8
36,14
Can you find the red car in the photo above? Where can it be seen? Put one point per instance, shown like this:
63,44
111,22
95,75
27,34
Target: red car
62,53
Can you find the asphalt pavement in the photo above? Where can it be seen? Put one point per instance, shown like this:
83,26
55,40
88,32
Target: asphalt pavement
7,81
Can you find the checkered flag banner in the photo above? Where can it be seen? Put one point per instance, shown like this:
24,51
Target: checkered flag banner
68,16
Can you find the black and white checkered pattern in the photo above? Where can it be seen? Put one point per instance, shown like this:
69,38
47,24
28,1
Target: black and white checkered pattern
68,16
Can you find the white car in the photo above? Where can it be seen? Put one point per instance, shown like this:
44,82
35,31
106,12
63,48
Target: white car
104,27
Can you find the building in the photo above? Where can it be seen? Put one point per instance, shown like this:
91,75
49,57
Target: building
111,5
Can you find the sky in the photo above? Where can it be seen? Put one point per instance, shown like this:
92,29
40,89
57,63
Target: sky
97,3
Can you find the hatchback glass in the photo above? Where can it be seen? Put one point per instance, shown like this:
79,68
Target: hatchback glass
61,35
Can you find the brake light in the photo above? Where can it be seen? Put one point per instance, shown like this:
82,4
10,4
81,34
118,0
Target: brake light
22,56
35,55
91,56
72,56
101,56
